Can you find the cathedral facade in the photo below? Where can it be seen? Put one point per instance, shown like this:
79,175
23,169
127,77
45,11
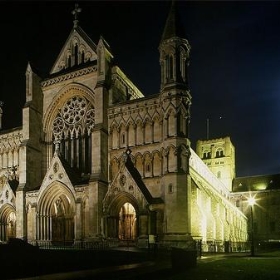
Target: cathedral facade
96,160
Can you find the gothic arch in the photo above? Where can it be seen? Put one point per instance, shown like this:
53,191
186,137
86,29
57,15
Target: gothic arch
114,135
131,127
139,131
118,223
120,199
157,128
170,119
148,130
73,89
148,164
123,134
7,222
157,163
55,214
139,163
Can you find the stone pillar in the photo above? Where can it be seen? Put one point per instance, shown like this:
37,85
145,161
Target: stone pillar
97,191
143,225
78,222
21,214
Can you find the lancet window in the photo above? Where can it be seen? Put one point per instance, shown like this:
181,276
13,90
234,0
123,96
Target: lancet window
72,129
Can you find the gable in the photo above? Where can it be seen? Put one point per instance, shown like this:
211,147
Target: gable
78,49
128,181
60,171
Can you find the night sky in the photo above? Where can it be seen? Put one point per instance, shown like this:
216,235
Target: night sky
234,65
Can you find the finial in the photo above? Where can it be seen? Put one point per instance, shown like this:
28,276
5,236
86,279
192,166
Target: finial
76,12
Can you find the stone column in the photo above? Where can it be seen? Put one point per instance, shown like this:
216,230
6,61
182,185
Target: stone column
78,222
21,214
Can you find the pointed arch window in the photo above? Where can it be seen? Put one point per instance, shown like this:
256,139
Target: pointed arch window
169,67
69,61
72,129
76,54
82,57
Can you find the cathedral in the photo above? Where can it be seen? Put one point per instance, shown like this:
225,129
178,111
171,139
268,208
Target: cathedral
96,160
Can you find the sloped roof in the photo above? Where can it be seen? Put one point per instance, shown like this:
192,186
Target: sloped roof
13,185
75,32
138,179
256,183
73,174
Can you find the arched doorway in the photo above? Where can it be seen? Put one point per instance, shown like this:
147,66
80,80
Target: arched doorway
122,218
127,222
7,223
55,219
62,222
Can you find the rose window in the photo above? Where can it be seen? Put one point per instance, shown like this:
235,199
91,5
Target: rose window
76,116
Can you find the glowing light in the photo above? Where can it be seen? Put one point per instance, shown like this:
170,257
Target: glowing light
251,201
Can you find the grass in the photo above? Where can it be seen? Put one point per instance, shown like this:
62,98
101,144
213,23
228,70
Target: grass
265,266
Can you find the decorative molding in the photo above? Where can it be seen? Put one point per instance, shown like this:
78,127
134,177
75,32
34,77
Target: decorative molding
69,76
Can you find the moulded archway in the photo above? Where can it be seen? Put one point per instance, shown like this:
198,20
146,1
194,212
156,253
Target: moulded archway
127,227
123,218
55,219
7,222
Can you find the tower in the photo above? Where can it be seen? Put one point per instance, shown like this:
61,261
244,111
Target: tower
176,100
174,53
219,156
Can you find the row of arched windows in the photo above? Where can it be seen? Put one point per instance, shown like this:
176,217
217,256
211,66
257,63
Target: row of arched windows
207,154
155,163
150,131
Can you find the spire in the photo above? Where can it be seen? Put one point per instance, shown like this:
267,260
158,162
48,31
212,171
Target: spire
76,12
174,51
173,26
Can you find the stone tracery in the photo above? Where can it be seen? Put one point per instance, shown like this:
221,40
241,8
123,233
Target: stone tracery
72,129
76,116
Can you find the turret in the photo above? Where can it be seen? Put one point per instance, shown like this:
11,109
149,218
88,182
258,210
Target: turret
174,53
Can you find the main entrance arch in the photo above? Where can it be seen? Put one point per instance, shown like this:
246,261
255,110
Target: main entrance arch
55,220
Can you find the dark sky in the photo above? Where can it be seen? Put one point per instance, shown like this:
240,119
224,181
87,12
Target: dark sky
234,65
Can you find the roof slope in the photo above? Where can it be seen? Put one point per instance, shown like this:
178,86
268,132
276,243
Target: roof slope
138,179
256,183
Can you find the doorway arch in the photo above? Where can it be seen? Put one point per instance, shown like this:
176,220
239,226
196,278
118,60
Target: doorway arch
7,223
55,219
127,226
123,218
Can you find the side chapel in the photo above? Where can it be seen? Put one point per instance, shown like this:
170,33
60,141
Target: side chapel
95,159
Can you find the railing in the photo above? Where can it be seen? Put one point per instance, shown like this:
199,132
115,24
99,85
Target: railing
80,245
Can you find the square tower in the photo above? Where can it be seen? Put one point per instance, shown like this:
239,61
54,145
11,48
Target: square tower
219,156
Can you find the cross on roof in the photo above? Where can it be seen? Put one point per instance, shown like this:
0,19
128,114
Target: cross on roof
76,12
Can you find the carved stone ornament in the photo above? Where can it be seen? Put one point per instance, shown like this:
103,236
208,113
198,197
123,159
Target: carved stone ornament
122,180
76,115
55,167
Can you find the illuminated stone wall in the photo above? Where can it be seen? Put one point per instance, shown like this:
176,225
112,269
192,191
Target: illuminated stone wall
98,160
219,156
215,219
